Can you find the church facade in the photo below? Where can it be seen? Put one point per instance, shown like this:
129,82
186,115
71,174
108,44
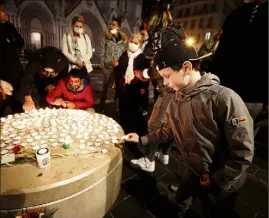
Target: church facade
44,22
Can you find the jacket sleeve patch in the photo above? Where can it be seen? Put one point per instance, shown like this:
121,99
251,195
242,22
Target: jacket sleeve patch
239,121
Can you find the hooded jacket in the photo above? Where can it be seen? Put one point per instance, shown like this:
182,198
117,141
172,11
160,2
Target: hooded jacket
111,49
82,97
32,83
213,130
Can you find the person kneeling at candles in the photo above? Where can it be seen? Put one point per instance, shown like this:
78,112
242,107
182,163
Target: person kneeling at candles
45,68
212,128
73,92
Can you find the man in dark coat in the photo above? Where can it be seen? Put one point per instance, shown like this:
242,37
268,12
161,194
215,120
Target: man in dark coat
242,54
241,60
10,66
46,66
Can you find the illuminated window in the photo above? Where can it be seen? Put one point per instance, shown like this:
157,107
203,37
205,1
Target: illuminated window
36,39
207,35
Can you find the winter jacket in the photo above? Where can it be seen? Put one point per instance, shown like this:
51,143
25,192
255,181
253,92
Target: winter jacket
213,130
83,97
10,43
86,51
140,63
111,49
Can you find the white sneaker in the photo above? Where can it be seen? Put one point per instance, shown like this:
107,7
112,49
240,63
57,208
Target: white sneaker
163,158
144,164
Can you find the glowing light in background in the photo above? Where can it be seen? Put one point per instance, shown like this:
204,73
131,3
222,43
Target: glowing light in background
190,41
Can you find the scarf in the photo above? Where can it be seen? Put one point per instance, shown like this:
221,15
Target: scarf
129,75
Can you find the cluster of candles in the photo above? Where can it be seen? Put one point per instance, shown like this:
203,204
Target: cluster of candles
55,127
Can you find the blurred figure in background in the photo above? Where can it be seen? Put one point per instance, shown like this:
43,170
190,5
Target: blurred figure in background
112,47
10,66
209,47
244,46
77,46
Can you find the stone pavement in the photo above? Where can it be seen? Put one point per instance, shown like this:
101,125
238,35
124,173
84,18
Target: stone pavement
136,198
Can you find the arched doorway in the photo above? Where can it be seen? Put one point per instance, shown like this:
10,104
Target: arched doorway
36,31
36,24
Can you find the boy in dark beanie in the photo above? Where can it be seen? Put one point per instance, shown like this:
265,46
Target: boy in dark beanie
211,126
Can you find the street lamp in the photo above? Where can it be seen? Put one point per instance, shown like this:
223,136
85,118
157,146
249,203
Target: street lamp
190,41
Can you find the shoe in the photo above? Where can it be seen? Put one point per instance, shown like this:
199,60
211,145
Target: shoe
164,191
173,187
163,158
144,164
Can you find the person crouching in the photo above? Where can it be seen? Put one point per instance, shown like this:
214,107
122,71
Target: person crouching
73,92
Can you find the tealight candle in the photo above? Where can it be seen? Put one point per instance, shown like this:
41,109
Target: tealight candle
82,146
114,141
12,135
90,143
44,146
35,148
104,151
97,144
55,144
10,147
91,148
24,144
61,140
3,152
82,141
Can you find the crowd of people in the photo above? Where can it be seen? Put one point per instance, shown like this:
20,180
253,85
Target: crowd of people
211,124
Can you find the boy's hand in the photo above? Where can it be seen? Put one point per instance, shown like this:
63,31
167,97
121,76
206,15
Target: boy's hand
28,105
205,180
115,63
131,137
142,92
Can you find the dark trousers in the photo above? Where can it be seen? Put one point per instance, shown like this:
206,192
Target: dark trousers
107,83
216,203
131,118
156,121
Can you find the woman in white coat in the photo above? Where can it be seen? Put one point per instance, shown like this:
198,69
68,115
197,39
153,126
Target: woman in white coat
77,46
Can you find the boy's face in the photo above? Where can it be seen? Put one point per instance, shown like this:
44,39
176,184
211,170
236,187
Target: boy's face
176,80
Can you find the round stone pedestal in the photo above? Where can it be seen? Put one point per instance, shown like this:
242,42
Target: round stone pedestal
78,186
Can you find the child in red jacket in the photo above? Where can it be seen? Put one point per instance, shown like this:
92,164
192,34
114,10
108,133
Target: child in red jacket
73,92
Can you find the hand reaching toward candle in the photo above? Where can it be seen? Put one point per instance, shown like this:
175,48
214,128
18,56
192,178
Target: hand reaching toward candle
70,105
131,137
59,102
